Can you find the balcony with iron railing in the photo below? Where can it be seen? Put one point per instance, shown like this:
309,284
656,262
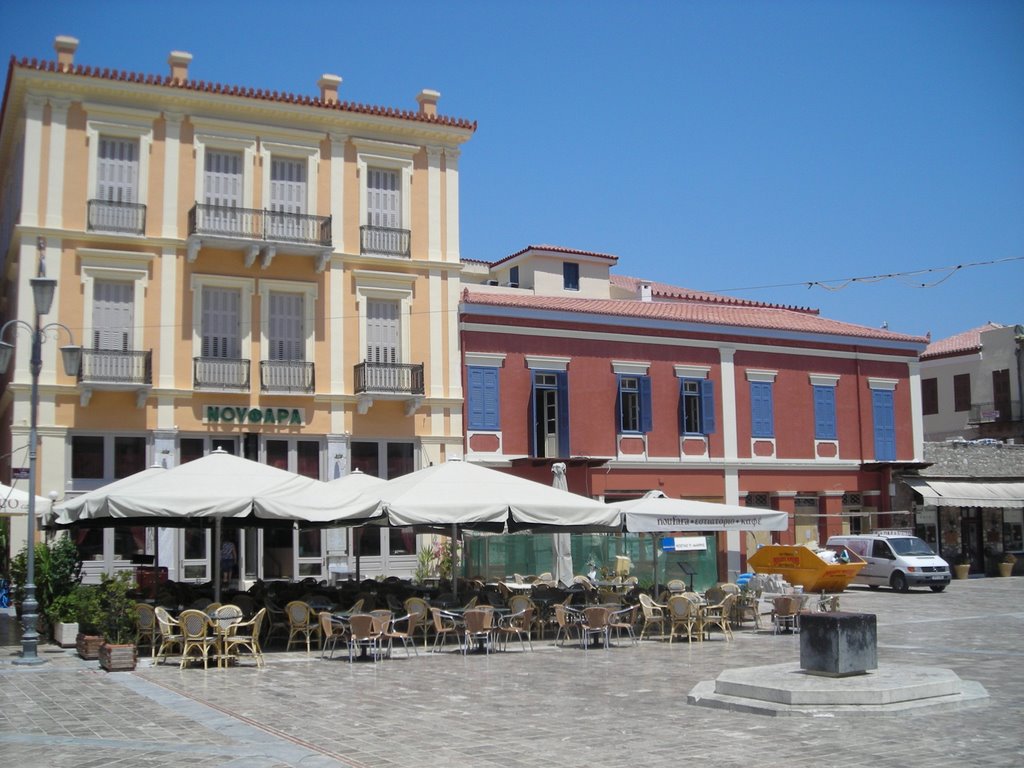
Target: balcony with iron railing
384,241
389,379
112,216
220,373
286,377
989,413
113,366
250,224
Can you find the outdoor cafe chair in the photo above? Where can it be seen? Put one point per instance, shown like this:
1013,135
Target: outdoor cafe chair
622,620
419,611
245,635
300,624
566,625
594,624
478,627
684,614
654,615
145,627
364,633
517,624
276,621
785,613
199,636
331,631
169,632
392,633
445,625
718,615
676,585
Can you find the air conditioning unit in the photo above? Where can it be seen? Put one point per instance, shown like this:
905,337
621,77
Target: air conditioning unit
512,285
491,282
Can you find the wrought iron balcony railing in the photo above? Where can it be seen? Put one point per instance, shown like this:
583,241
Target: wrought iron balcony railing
220,373
111,366
256,224
286,376
111,216
389,378
986,413
384,241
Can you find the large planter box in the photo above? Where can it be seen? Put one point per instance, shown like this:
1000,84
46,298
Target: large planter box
88,646
118,658
65,634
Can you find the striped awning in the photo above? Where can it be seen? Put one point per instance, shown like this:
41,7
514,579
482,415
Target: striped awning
967,493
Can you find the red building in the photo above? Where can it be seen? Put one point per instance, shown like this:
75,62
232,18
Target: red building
640,386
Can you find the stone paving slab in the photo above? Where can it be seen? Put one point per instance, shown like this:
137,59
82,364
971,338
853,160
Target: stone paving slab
554,706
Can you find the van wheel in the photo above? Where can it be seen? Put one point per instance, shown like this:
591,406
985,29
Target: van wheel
938,588
898,582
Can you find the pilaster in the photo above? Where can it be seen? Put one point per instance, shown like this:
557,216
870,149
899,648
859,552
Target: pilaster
172,154
434,203
31,181
451,180
55,169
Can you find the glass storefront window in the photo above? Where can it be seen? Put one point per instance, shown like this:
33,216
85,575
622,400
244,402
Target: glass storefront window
190,448
129,541
277,454
308,458
195,544
309,543
129,456
402,541
89,542
369,541
87,457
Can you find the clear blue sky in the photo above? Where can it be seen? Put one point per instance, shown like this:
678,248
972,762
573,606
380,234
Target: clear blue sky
720,146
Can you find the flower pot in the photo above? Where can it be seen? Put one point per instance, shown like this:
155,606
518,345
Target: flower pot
65,634
1005,569
961,571
118,658
88,646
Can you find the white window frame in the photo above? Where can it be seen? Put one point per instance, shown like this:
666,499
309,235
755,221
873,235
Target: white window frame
247,286
119,123
386,287
391,156
223,142
309,294
123,266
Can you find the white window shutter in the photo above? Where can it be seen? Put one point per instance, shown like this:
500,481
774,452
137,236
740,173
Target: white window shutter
221,323
382,332
286,332
112,315
222,182
383,198
287,185
117,170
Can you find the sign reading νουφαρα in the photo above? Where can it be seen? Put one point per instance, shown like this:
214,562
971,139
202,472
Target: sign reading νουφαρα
243,414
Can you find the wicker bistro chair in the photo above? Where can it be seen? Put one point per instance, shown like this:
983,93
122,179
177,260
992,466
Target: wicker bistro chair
331,631
419,612
301,624
393,632
479,627
718,615
245,635
595,624
145,627
365,633
566,625
169,632
684,614
622,620
786,613
517,624
654,615
199,636
445,624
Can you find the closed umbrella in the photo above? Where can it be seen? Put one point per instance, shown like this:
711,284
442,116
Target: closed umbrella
562,542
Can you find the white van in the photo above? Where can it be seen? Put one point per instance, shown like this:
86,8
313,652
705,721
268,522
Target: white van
898,560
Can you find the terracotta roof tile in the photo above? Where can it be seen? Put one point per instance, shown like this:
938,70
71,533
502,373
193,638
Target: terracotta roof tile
966,341
666,291
240,91
558,249
736,315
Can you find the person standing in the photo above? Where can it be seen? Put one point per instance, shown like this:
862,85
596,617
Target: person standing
228,559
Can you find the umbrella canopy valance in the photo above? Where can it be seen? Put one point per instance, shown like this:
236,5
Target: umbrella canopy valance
476,497
14,502
656,513
336,502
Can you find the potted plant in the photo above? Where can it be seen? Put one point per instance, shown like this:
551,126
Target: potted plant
117,651
58,571
1006,566
63,616
962,567
90,617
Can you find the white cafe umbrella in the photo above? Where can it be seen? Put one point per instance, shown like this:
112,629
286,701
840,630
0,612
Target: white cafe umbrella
655,513
562,541
14,502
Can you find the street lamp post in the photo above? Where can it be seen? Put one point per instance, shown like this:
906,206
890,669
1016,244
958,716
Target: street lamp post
43,288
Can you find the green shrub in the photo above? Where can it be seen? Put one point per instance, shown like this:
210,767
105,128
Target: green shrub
58,570
117,608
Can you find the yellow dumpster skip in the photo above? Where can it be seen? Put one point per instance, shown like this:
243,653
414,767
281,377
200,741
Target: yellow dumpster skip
799,565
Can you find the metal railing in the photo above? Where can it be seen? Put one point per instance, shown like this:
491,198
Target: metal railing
384,241
258,224
286,376
220,373
986,413
111,216
111,366
397,378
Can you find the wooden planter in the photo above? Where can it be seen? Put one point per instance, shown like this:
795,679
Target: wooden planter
118,658
88,646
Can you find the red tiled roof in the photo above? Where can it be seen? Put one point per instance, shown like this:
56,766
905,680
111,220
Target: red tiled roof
966,341
240,91
558,249
664,290
739,316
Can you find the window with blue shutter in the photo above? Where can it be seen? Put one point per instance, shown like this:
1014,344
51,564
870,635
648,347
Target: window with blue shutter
483,398
761,409
884,418
824,413
634,404
549,414
696,406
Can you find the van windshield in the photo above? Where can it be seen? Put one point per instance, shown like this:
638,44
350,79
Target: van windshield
912,546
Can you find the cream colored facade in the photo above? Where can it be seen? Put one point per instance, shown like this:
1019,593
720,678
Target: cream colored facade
271,274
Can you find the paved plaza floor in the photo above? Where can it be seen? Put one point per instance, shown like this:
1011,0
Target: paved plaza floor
556,706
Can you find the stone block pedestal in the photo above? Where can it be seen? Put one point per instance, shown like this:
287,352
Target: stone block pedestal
838,644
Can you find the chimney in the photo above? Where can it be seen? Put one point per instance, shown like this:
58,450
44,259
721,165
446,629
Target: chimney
645,291
329,88
179,61
428,101
65,47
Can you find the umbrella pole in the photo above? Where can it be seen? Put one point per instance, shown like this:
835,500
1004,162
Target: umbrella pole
454,551
216,560
654,558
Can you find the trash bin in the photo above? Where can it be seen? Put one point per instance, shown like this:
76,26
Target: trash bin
800,566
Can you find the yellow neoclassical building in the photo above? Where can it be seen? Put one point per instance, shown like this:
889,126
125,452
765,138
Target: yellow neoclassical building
272,274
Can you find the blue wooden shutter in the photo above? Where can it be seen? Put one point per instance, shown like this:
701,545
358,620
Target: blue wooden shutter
825,413
762,421
490,399
646,422
707,406
563,413
885,424
618,404
531,415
